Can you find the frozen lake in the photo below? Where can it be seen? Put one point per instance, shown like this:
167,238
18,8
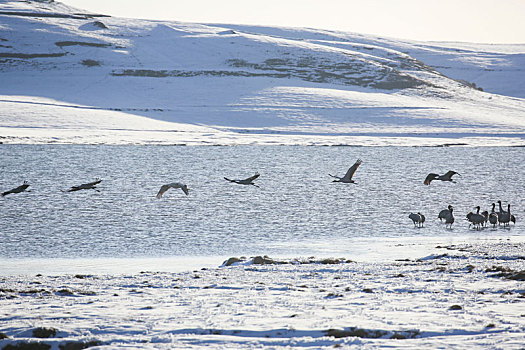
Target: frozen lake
297,211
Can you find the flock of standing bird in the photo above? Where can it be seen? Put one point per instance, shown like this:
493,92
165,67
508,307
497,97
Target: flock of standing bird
477,220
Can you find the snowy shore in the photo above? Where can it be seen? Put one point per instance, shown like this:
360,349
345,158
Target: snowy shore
461,295
72,77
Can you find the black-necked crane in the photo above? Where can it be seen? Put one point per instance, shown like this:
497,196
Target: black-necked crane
485,214
493,216
503,212
88,186
166,187
416,219
443,214
476,219
449,219
18,189
248,181
445,177
422,218
349,174
505,217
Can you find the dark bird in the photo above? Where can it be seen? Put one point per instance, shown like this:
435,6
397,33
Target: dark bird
349,174
493,216
476,219
443,214
445,177
449,219
88,186
422,220
505,217
416,219
502,214
248,181
19,189
166,187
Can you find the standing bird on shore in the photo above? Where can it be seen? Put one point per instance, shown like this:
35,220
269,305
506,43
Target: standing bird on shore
166,187
88,186
349,174
19,189
422,220
502,212
449,219
443,214
493,216
505,217
248,181
416,219
445,177
476,219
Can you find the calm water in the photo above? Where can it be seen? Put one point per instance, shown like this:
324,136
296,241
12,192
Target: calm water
297,210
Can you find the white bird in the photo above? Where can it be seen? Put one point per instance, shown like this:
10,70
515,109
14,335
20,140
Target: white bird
166,187
443,214
248,181
349,174
445,177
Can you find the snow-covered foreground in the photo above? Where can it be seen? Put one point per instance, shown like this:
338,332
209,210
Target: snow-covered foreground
72,77
464,295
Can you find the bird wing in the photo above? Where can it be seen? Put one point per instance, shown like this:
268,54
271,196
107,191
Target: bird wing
429,178
96,182
449,174
251,178
162,190
350,173
185,189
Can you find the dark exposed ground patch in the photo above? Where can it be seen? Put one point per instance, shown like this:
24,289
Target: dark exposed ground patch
265,260
80,43
370,333
44,332
27,346
31,55
72,345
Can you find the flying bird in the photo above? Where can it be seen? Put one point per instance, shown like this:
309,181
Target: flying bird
19,189
248,181
445,177
88,186
349,174
166,187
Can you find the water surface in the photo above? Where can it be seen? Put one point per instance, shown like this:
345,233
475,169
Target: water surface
297,211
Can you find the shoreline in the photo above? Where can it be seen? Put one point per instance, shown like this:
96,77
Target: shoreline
461,295
363,250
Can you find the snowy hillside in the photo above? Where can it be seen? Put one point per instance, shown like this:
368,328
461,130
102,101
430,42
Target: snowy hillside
73,77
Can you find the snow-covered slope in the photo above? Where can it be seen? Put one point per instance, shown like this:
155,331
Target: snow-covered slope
73,77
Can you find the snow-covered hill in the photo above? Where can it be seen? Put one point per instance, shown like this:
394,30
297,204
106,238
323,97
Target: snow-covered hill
73,77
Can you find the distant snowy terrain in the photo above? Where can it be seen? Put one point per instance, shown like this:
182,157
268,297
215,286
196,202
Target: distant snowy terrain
72,77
